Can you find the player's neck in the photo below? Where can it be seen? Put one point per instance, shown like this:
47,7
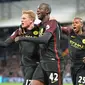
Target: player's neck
46,19
80,32
29,28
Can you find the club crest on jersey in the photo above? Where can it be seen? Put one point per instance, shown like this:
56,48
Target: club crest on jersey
83,41
35,32
47,27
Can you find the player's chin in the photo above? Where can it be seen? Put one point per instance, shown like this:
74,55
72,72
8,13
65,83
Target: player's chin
39,17
23,26
75,30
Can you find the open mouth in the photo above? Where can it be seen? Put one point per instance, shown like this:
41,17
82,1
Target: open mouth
74,28
22,23
38,14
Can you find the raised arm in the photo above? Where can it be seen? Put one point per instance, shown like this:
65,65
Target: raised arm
9,40
66,30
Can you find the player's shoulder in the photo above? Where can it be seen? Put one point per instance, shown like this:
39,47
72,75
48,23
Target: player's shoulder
53,21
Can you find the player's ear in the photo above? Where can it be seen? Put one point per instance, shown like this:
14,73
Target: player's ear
82,25
31,21
47,11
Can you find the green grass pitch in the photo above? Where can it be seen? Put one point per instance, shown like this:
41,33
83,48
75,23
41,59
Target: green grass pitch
10,83
20,84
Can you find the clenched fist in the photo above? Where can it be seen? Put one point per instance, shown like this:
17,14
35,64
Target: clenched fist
83,59
16,39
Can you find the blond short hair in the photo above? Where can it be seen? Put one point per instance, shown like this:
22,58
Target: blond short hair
30,13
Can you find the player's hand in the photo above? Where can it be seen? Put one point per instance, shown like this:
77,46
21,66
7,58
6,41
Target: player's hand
83,59
16,39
